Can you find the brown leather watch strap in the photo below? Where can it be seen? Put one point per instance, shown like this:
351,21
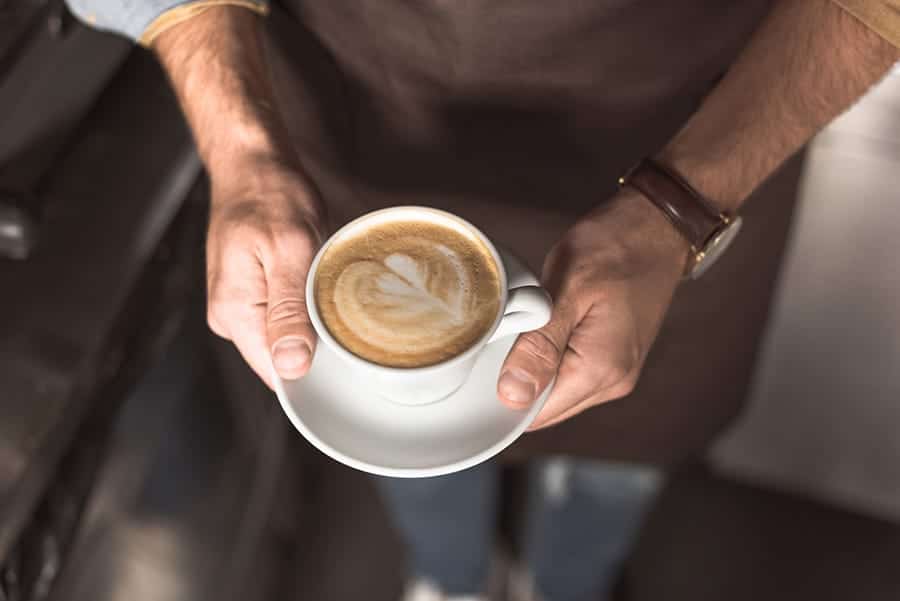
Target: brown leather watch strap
694,217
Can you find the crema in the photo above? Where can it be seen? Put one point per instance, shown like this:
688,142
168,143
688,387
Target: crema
407,293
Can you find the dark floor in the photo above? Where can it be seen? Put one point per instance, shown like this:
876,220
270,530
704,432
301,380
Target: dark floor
708,538
714,539
348,551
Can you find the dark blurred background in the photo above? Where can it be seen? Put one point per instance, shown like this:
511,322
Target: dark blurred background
135,463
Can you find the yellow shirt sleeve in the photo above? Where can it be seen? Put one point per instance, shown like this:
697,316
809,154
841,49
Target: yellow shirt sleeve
183,12
881,16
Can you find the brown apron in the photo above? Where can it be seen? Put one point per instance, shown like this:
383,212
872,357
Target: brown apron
519,115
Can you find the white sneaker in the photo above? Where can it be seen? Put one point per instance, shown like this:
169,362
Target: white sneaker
520,584
424,590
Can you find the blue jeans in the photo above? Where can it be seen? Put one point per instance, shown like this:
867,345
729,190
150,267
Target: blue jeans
582,519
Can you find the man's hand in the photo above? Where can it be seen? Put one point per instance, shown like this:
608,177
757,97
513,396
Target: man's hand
260,245
612,278
613,275
265,216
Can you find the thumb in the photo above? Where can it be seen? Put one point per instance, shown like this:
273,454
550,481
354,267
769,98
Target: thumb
533,361
290,334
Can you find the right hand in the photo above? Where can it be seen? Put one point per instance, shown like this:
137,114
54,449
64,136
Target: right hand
264,229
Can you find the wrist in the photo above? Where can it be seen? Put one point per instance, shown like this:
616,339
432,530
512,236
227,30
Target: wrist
267,185
245,146
646,234
708,177
245,130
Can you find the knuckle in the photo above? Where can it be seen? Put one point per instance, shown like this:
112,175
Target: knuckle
541,348
286,310
612,375
625,386
619,378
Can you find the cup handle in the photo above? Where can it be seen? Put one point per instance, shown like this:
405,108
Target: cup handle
528,306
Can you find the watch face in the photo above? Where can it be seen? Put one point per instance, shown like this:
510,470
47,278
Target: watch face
716,248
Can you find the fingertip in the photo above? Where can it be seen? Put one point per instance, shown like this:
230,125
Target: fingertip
291,357
516,388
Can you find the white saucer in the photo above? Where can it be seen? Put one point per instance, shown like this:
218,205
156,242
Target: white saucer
365,431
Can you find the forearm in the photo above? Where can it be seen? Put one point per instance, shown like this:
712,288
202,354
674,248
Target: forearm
806,64
217,66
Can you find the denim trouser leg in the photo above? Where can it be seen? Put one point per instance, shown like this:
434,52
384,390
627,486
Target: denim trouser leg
448,525
584,518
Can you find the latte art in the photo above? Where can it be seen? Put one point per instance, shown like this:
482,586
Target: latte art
403,292
407,294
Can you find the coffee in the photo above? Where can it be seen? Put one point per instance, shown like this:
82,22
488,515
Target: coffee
407,292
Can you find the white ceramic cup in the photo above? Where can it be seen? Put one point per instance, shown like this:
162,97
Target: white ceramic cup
522,309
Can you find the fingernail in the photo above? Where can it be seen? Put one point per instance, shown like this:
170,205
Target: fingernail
517,387
289,355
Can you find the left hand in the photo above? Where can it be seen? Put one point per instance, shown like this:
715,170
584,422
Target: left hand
612,278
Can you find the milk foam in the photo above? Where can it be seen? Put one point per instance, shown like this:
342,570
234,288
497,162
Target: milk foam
404,302
407,293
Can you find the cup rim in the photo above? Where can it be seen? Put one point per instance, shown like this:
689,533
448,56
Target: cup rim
326,337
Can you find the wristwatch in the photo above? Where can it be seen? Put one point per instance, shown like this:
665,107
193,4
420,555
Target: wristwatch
709,231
